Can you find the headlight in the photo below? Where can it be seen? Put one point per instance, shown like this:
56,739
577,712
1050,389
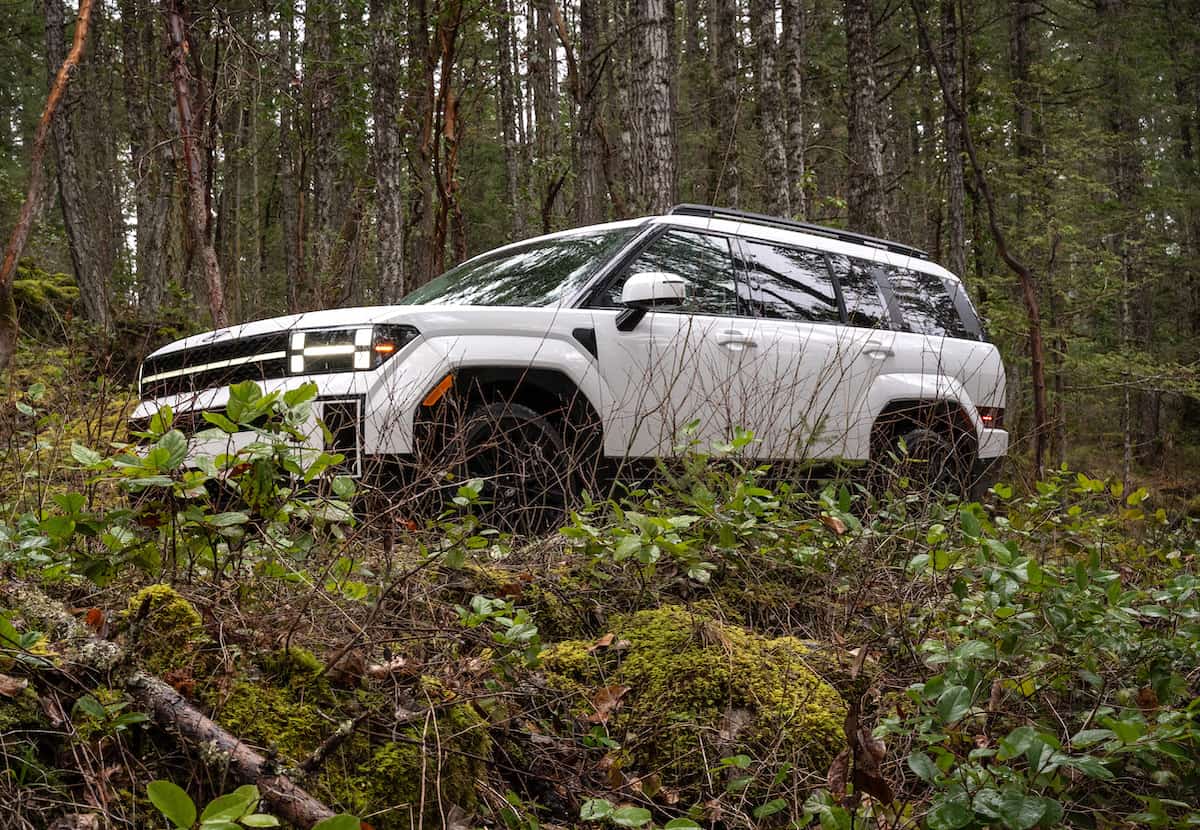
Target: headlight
324,351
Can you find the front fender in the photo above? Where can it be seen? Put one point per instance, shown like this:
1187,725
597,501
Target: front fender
393,405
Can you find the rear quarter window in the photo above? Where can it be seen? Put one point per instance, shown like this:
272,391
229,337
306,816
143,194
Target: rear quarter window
865,304
928,306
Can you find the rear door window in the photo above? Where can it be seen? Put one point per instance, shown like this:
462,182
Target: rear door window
865,304
926,305
789,283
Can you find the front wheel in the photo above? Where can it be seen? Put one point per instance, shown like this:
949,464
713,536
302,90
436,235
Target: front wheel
520,457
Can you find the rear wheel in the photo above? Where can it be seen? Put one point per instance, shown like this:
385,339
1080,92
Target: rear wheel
921,459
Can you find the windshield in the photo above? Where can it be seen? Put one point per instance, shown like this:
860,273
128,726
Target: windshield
536,274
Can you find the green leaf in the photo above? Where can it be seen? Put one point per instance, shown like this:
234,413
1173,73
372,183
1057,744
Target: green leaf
631,816
260,820
86,457
681,824
1019,810
1091,736
969,523
220,422
342,821
949,815
173,803
595,809
775,805
91,707
231,806
176,450
162,420
1091,767
1016,742
953,704
924,767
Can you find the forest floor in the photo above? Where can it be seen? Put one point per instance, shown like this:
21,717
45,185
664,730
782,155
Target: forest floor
715,649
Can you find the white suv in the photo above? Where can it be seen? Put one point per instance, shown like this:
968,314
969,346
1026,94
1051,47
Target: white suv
586,349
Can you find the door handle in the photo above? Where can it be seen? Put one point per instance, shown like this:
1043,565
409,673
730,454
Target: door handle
878,351
736,340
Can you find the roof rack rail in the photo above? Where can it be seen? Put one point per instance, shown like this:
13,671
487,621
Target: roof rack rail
789,224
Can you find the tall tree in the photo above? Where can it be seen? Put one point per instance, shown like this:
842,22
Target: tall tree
865,187
33,193
387,152
197,206
794,45
776,188
654,163
508,109
723,45
589,131
92,250
956,223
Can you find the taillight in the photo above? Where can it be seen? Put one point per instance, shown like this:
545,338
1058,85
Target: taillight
992,416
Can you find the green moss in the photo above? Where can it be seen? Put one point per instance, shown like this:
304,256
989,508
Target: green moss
700,690
21,712
433,766
166,631
280,719
296,667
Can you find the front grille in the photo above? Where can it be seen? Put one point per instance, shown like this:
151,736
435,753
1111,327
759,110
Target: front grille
261,357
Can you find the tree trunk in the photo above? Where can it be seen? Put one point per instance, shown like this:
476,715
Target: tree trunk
419,116
794,37
153,163
322,22
290,208
1029,294
91,249
388,154
865,189
589,133
651,95
776,190
956,227
509,113
197,209
33,194
723,46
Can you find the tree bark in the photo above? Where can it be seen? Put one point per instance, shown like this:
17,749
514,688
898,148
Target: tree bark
322,23
723,46
388,154
654,171
956,223
87,235
509,113
290,190
197,208
776,190
33,193
1029,294
865,191
794,48
589,133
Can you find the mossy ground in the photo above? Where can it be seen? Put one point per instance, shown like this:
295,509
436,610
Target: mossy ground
701,690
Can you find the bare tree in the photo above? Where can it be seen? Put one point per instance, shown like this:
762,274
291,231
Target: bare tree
387,152
770,110
92,254
723,47
793,42
197,207
864,193
653,117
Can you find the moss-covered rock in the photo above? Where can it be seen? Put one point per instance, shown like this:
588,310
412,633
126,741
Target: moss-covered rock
700,690
164,630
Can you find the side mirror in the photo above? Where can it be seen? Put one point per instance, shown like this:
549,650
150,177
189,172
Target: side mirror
649,289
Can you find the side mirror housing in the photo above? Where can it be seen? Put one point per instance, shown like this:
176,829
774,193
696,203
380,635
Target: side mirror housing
650,289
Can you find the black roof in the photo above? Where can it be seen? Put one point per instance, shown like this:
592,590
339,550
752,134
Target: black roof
790,224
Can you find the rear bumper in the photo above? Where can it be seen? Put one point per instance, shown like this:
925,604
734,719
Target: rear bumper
993,443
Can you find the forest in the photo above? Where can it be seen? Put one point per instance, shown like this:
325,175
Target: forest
714,646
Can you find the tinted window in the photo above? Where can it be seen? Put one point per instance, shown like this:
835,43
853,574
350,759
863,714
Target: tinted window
864,303
925,304
790,284
536,274
703,260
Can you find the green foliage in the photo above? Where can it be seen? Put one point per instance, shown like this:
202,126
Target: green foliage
232,811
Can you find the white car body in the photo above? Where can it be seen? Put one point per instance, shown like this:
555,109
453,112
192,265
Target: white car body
808,390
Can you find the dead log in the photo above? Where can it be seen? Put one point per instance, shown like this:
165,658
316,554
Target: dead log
170,710
167,708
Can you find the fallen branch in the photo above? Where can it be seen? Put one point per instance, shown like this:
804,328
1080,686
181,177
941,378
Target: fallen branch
170,710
